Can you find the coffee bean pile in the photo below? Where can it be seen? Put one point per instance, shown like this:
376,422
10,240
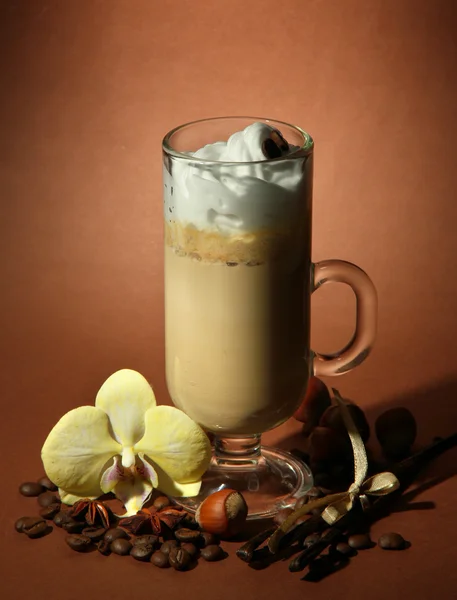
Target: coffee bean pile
179,548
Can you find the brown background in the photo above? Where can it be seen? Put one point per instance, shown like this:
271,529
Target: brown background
88,90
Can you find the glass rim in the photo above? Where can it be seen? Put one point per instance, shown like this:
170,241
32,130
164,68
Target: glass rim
307,146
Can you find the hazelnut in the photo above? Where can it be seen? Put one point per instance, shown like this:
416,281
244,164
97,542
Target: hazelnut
223,513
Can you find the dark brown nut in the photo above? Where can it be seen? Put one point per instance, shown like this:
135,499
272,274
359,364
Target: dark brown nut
31,488
116,534
61,518
35,527
72,526
49,512
212,553
96,534
146,539
190,548
333,419
47,498
167,546
121,546
360,541
282,515
142,552
392,541
396,430
161,502
315,403
159,559
187,535
79,543
343,549
208,539
104,547
48,484
180,559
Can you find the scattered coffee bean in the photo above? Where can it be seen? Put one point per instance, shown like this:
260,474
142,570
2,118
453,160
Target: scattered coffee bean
116,534
48,484
78,542
31,488
167,546
72,526
121,546
180,559
190,548
212,553
360,541
142,552
104,547
311,539
49,512
159,559
187,535
208,539
189,522
344,549
282,515
35,527
139,540
61,518
392,541
19,524
96,534
47,498
161,502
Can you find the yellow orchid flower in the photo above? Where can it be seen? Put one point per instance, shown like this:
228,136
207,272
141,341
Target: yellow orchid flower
126,444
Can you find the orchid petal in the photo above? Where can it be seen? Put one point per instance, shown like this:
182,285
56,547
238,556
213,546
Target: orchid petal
77,449
71,499
170,487
111,477
125,397
175,443
133,492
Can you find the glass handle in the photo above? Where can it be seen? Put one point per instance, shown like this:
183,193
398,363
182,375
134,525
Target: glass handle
357,350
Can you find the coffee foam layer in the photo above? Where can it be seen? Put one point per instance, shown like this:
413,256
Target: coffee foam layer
235,198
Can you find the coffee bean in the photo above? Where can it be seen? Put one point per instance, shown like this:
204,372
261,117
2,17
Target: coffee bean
212,553
20,523
180,559
47,498
116,534
139,540
208,539
161,502
189,522
47,483
36,530
142,552
72,526
270,149
360,541
61,518
104,547
121,546
49,512
187,535
190,548
31,488
167,546
311,539
392,541
344,549
96,534
78,542
159,559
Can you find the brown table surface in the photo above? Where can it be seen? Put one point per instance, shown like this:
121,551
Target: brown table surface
88,88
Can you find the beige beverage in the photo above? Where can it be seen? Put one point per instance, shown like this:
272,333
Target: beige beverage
237,330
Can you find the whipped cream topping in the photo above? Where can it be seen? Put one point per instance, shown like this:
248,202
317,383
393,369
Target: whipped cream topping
231,198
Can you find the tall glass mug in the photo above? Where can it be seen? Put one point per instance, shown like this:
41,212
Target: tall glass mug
238,282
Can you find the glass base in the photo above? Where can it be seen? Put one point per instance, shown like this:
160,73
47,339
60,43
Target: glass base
274,481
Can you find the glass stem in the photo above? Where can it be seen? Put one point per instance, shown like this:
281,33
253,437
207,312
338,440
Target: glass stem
237,452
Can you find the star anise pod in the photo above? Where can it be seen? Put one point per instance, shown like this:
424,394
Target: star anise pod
93,511
151,519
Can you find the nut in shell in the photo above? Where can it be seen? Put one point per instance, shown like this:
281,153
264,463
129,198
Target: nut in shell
223,513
